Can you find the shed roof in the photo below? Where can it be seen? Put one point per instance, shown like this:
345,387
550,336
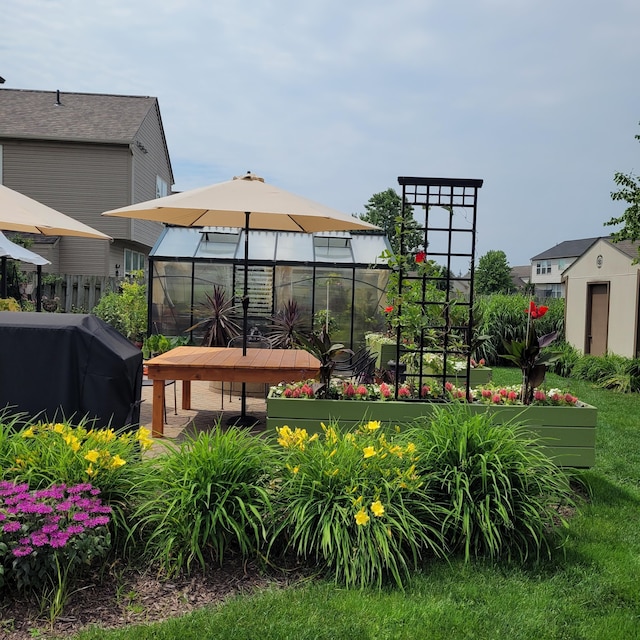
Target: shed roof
567,249
90,117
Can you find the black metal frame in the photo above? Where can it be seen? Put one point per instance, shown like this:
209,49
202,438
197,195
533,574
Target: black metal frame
453,195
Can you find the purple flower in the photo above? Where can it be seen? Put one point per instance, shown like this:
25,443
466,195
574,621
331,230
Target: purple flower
39,539
20,552
97,521
80,516
59,539
11,527
50,528
64,506
79,488
74,529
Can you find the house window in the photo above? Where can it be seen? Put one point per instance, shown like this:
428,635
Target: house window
133,261
543,267
550,291
162,188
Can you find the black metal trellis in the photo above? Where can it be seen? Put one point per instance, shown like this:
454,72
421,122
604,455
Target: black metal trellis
449,236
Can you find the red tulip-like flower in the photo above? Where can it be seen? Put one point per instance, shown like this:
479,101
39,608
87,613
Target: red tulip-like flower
420,256
388,309
536,312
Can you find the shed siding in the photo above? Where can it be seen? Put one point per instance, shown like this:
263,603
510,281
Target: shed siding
622,276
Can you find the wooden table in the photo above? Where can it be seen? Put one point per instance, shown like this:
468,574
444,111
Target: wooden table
227,364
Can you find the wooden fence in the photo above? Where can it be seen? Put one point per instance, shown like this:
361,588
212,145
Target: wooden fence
78,294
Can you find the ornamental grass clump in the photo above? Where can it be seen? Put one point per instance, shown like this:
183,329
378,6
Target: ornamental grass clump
48,536
204,499
501,493
355,504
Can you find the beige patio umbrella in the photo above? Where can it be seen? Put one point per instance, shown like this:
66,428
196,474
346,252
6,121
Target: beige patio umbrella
246,202
21,213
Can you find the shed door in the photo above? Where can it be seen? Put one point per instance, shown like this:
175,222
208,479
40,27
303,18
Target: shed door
597,319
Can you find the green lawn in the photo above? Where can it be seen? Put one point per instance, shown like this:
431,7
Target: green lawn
591,591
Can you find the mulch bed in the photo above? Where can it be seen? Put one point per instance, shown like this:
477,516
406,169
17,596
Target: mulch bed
125,597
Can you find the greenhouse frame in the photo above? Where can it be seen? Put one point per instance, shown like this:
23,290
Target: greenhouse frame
337,279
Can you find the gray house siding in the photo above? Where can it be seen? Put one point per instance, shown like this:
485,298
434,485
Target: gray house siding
83,155
149,161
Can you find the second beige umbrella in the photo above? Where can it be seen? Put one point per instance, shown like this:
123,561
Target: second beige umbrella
21,213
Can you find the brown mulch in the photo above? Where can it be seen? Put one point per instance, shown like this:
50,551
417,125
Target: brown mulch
128,597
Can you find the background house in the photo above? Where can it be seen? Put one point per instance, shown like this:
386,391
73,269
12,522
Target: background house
83,154
547,267
602,299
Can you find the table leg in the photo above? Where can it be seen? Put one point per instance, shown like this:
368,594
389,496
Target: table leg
186,394
157,410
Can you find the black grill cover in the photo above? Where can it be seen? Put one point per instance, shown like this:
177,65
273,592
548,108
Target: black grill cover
67,365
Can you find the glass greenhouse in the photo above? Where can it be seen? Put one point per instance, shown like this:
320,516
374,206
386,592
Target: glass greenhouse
336,274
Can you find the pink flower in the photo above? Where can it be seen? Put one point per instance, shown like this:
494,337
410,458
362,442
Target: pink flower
503,392
482,362
512,396
486,393
287,393
404,392
496,399
349,391
448,386
361,391
425,391
296,393
540,396
385,391
569,399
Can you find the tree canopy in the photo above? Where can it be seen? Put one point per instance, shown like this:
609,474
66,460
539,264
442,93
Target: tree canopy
629,192
493,274
384,209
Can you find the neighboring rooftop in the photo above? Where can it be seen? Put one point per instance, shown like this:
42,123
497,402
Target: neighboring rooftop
567,249
521,275
58,115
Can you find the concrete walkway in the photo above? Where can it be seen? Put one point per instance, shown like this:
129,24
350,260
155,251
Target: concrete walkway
206,409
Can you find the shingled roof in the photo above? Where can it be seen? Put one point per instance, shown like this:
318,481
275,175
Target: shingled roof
567,249
90,117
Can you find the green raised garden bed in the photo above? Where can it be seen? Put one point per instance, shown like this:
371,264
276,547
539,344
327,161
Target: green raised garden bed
568,433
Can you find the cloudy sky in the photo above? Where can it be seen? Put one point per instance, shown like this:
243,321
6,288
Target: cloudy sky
334,100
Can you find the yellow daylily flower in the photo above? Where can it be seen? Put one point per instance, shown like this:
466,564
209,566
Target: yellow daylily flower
373,425
369,452
362,518
92,456
117,461
377,508
28,433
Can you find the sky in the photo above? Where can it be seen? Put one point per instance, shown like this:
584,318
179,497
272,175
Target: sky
333,100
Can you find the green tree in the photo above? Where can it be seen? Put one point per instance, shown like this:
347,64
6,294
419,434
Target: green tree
629,192
493,274
384,209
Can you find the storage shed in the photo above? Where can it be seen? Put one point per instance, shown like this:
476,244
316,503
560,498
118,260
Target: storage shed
602,308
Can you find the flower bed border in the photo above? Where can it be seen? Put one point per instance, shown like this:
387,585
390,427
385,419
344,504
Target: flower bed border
568,433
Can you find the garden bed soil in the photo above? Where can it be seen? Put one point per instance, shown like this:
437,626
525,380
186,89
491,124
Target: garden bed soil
122,598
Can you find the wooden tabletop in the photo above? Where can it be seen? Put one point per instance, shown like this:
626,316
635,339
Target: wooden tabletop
228,364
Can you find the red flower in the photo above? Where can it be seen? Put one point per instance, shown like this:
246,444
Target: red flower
496,399
535,311
420,256
388,309
385,391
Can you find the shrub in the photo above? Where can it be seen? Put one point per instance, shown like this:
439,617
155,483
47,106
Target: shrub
500,493
205,498
597,368
567,359
126,311
355,504
41,454
9,304
48,536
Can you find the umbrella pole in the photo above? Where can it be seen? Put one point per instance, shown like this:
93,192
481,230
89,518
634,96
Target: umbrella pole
243,420
3,292
39,289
